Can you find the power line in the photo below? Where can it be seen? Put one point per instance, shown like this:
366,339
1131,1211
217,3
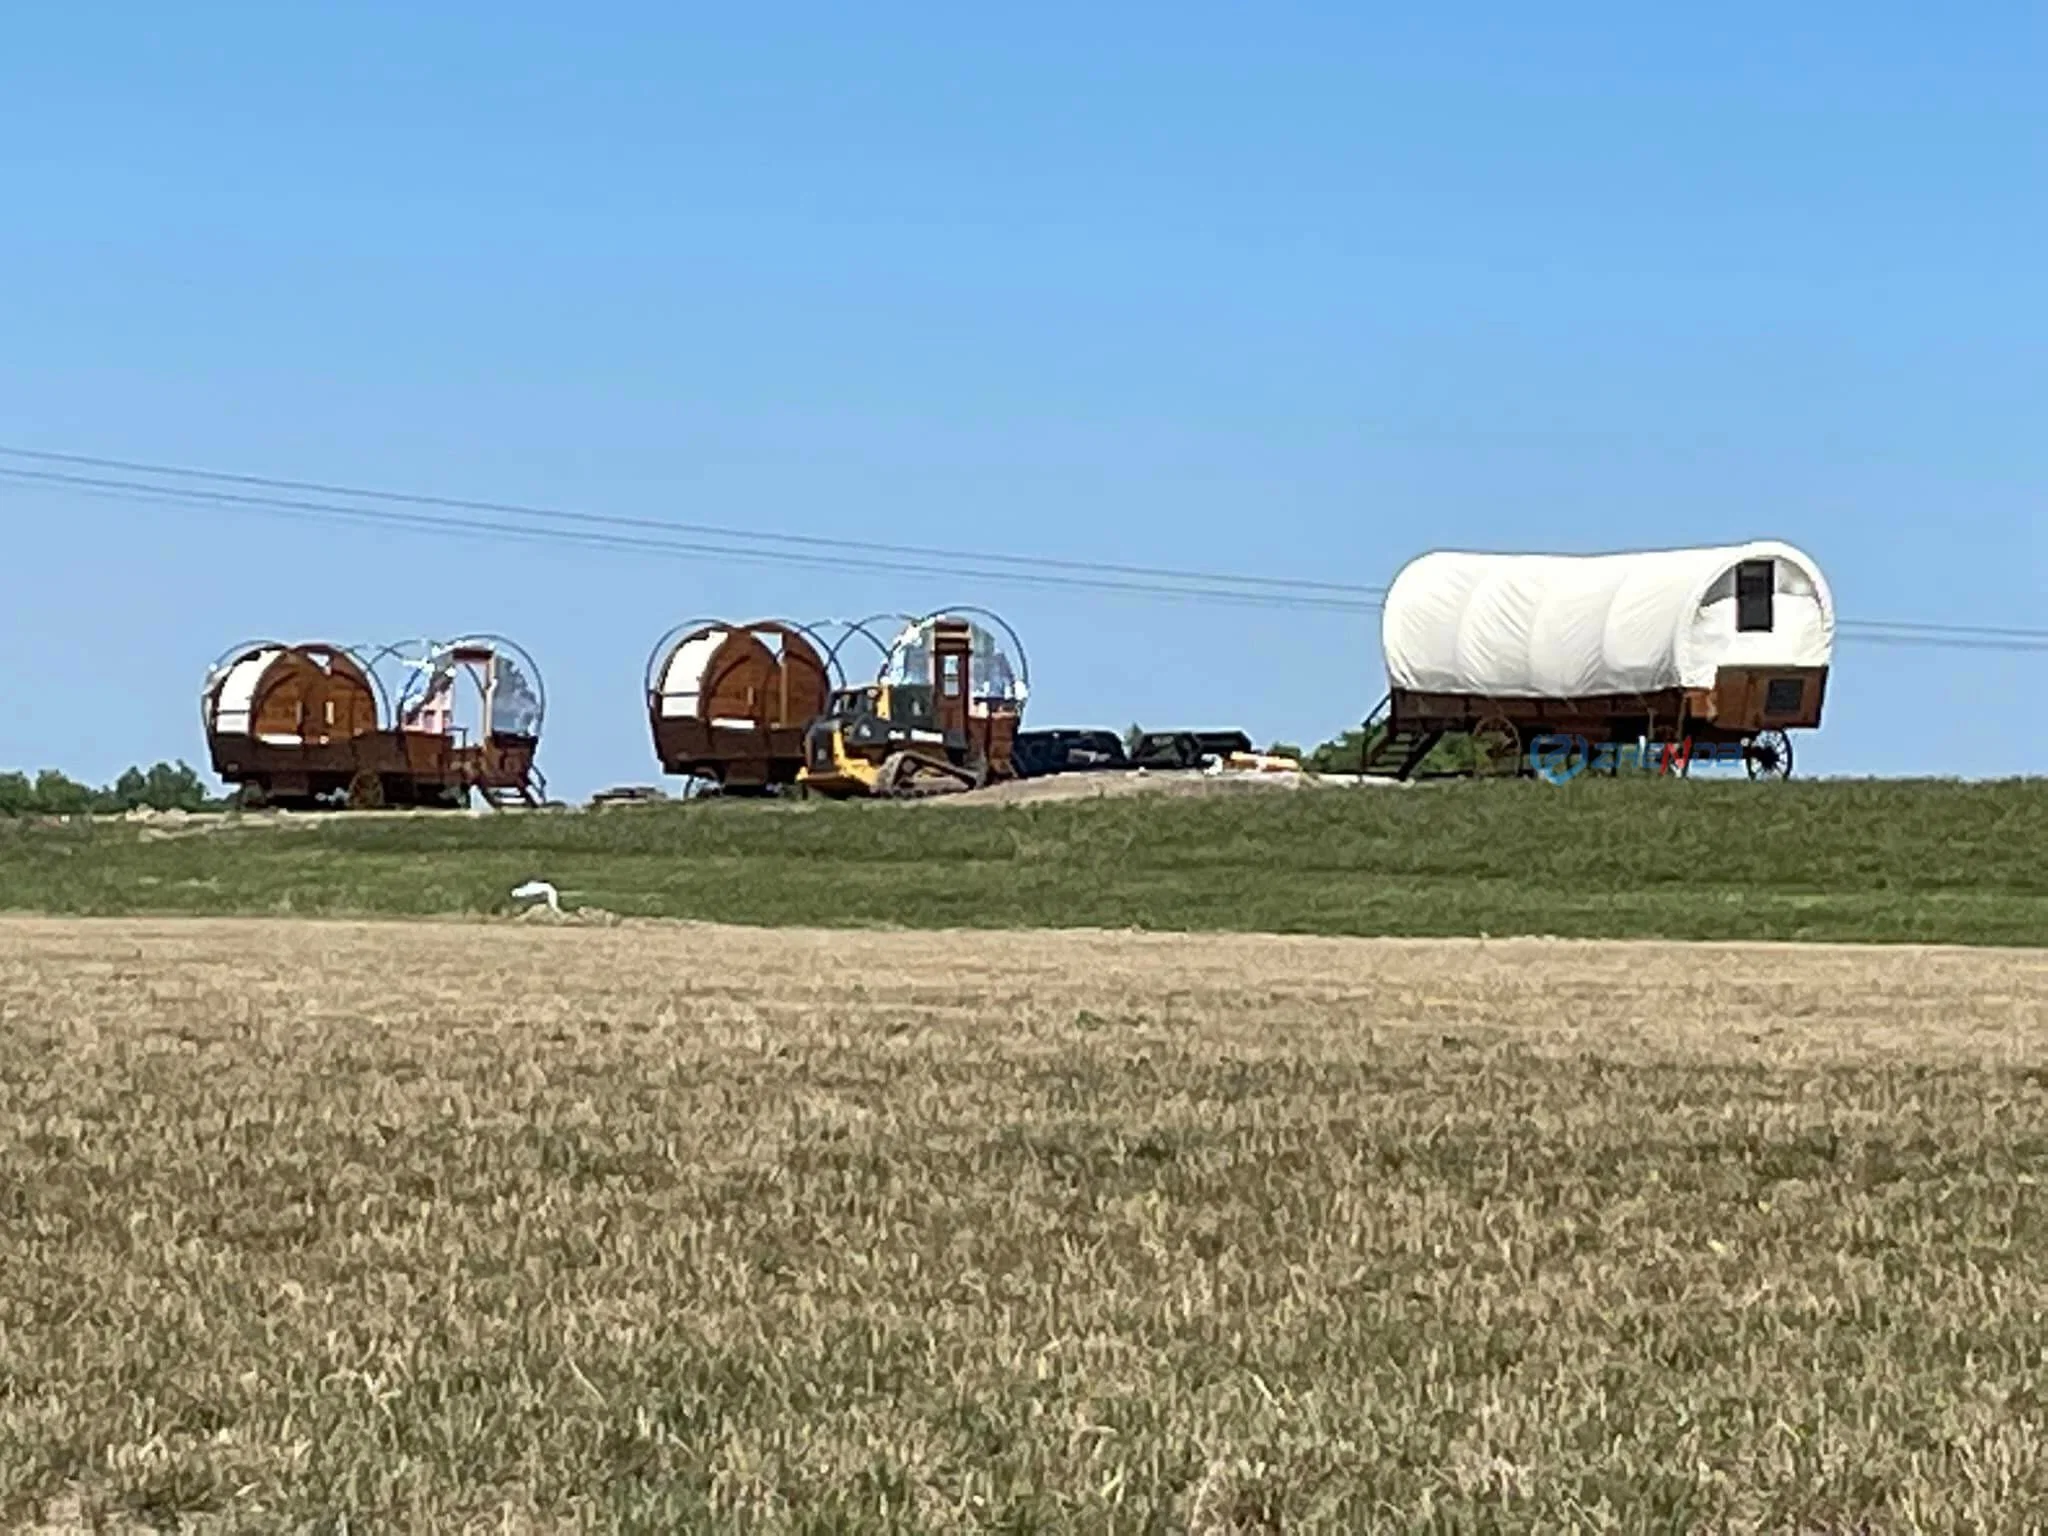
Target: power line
593,530
672,526
1947,642
1992,630
219,500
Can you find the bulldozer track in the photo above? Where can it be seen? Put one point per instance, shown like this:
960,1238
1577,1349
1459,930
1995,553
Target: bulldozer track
908,776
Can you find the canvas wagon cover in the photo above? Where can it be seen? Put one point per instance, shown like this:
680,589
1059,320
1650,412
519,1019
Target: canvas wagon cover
1583,626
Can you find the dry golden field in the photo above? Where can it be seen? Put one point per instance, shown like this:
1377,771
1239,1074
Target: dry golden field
508,1226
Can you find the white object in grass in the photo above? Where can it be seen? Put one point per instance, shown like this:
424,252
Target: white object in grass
538,890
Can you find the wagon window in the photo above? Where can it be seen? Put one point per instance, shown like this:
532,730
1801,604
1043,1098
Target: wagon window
1784,696
1754,581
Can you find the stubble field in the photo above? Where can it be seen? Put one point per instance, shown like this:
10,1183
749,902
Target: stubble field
513,1227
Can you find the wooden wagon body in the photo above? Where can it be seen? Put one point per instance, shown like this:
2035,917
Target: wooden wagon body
728,703
296,726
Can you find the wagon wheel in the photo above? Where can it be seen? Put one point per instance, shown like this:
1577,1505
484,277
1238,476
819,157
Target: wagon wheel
1768,755
1496,749
365,791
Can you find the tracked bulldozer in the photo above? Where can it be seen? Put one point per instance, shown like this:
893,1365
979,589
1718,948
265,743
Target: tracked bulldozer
940,718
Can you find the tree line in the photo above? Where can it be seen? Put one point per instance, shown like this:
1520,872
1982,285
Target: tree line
160,787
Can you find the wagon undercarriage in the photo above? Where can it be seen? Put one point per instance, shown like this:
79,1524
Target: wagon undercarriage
1748,713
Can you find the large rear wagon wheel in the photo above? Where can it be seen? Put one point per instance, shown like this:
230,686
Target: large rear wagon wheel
1768,755
1496,749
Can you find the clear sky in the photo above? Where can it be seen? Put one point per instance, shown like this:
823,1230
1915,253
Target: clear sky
1300,290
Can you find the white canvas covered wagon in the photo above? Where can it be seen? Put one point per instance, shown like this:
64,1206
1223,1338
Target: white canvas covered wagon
1721,646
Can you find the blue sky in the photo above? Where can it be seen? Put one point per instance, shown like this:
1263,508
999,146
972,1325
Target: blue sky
1293,290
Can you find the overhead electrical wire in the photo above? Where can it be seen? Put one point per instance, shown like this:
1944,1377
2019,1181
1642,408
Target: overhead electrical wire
221,500
511,520
1946,642
1992,631
672,526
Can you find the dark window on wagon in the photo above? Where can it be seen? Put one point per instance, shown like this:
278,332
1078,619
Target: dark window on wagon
1784,696
1755,582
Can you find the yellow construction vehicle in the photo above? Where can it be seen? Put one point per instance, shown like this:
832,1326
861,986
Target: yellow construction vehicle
940,718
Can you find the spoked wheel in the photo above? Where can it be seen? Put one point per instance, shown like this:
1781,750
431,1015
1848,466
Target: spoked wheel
1496,749
365,791
1768,755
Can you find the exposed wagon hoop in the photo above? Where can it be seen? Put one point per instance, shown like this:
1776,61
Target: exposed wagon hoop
666,645
504,661
863,629
216,674
392,663
1023,668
